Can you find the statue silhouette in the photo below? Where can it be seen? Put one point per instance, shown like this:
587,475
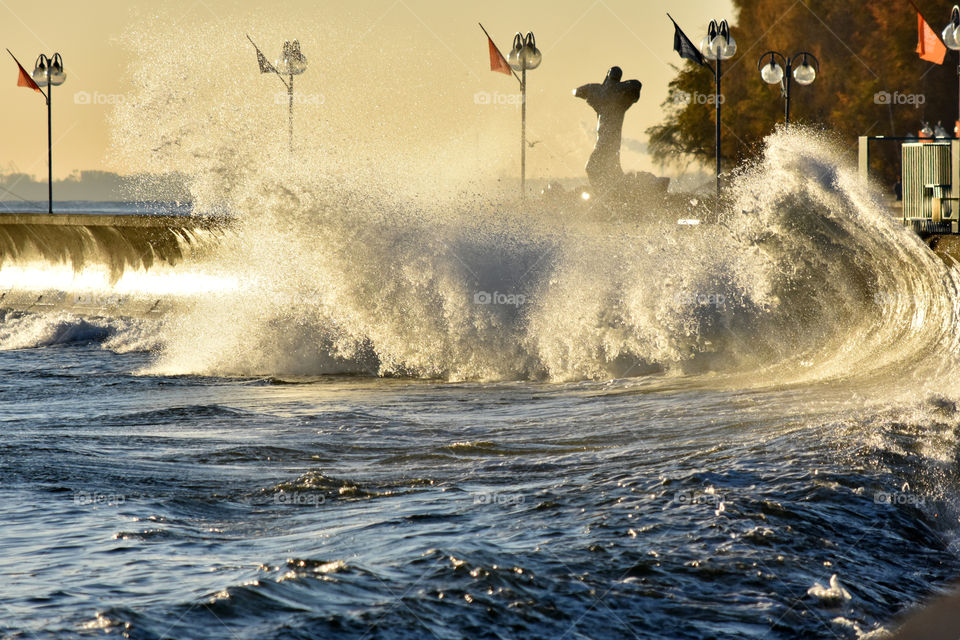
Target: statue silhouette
610,99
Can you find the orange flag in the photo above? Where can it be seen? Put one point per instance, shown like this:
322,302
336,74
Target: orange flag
930,47
24,79
497,61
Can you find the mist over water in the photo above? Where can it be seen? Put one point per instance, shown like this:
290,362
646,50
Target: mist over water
806,277
361,252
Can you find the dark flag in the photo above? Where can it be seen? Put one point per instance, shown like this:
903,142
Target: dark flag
683,46
265,66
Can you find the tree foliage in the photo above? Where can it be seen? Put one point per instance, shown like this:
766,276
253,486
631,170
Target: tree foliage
871,80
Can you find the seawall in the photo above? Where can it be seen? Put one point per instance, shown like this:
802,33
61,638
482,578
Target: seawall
118,241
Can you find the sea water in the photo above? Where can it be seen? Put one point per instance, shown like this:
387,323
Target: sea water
384,419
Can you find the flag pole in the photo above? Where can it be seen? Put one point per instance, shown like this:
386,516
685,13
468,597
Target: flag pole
46,96
501,54
277,73
683,46
288,85
523,115
956,128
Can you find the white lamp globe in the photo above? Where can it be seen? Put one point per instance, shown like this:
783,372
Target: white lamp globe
513,59
729,49
706,48
718,45
532,57
772,73
805,74
949,37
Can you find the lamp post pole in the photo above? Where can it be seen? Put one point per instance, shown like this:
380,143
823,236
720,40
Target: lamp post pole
291,63
718,45
773,73
523,132
718,101
48,72
49,149
950,38
787,84
523,56
290,96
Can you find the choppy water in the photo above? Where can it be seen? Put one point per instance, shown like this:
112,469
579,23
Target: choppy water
188,507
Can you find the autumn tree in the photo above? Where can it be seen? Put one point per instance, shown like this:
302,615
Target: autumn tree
871,81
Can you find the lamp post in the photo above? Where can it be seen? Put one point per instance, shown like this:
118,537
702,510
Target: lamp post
48,72
291,63
773,73
718,45
523,56
951,38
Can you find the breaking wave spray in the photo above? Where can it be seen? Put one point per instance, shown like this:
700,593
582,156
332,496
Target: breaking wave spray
361,252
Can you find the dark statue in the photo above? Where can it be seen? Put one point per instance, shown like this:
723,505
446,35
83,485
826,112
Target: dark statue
610,99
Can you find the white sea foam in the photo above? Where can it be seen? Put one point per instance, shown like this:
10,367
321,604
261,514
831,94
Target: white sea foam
832,594
36,330
805,278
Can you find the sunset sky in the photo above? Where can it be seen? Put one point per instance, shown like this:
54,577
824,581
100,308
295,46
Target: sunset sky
406,72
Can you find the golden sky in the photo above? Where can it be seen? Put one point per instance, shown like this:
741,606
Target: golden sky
403,72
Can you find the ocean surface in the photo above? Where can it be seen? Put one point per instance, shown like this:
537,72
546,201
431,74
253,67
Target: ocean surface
484,428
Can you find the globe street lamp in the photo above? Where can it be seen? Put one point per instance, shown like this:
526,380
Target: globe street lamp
951,38
523,56
291,63
718,45
48,72
773,73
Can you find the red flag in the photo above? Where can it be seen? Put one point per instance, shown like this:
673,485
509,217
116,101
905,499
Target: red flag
24,79
497,61
930,47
